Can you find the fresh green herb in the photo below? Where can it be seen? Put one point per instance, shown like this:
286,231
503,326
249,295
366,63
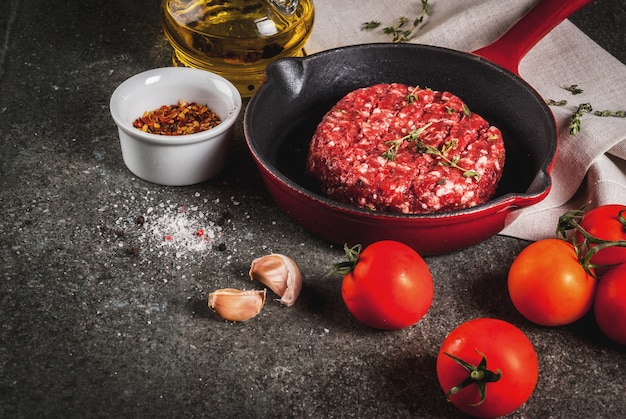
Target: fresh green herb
400,32
394,145
424,7
397,32
573,89
551,102
617,114
583,108
412,97
466,110
368,26
449,145
574,124
413,137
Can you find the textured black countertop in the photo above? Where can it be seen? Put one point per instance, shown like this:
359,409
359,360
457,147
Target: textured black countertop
100,318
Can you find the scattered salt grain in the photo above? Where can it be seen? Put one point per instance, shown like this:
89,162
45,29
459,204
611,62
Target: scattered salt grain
180,232
168,229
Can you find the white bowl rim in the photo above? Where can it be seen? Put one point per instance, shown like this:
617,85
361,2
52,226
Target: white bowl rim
124,90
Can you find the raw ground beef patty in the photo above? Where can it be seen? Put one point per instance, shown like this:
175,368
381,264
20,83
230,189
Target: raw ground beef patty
397,148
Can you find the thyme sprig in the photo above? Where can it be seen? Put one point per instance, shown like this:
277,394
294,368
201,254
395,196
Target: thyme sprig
412,97
368,26
575,122
552,102
590,244
400,32
466,110
394,145
414,137
583,108
573,89
445,161
617,114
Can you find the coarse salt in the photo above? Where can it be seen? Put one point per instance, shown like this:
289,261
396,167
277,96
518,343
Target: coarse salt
181,232
175,230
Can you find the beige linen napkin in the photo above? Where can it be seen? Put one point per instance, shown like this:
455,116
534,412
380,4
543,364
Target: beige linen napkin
590,166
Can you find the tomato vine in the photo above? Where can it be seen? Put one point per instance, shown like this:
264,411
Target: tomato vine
590,245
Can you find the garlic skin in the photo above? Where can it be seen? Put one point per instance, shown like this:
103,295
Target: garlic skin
237,305
280,274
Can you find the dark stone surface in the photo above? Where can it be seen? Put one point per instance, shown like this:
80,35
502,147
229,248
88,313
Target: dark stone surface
99,317
603,21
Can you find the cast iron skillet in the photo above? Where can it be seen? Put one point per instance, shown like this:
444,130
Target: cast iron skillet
282,115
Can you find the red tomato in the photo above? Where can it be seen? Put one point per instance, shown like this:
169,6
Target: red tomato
604,223
506,351
548,285
390,287
610,304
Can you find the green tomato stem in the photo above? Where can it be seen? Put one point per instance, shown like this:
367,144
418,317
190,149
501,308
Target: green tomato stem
590,244
479,375
352,254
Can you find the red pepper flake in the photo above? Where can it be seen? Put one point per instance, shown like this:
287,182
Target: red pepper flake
200,232
168,238
180,119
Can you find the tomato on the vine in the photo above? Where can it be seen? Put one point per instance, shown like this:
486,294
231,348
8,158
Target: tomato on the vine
487,367
387,285
548,285
606,222
610,304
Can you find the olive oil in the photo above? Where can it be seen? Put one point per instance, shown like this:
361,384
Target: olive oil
236,38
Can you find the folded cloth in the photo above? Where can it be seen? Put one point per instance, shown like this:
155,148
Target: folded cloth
591,165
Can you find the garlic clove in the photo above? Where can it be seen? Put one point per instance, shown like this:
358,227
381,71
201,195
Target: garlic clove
280,274
237,305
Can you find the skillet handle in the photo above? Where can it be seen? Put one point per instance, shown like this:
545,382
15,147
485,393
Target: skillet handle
510,48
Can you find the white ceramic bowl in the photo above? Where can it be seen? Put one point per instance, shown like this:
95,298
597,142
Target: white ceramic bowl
181,159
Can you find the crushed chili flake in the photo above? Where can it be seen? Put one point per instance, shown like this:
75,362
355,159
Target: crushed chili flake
179,119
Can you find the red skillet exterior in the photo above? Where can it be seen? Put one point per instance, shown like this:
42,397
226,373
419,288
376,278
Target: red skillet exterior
428,235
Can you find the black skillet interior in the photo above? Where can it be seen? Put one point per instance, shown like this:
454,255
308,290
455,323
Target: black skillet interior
283,114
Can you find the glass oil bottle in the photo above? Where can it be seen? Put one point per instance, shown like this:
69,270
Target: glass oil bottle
236,38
